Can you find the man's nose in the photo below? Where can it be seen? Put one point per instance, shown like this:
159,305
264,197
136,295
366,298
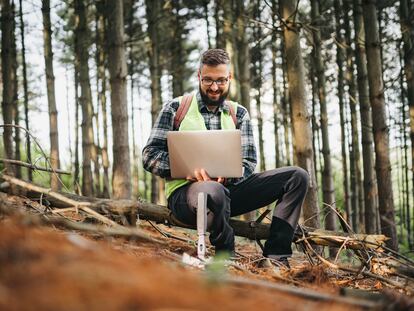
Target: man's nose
214,86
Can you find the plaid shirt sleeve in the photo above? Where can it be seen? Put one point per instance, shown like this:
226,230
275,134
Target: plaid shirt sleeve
155,154
248,145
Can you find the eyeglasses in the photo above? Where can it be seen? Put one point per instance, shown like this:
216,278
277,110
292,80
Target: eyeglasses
219,82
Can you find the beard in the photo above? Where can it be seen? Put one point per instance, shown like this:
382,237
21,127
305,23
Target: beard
210,102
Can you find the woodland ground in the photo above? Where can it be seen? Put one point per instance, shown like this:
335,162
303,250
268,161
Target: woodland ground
49,268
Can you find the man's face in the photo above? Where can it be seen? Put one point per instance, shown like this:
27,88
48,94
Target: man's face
214,83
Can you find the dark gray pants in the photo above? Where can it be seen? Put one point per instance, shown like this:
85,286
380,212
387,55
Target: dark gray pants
287,185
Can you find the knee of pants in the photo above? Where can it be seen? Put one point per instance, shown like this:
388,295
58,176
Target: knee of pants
218,195
301,177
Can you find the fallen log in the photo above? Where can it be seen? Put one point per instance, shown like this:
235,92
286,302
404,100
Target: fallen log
147,211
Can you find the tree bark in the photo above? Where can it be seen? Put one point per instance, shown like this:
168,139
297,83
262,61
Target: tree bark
340,59
405,207
153,12
220,42
130,29
328,190
177,49
82,57
407,30
8,78
276,109
121,174
356,178
229,38
300,117
285,107
101,59
76,160
257,62
243,55
16,112
370,187
50,86
380,127
206,18
25,90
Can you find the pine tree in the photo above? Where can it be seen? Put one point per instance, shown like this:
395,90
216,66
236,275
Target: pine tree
380,127
300,117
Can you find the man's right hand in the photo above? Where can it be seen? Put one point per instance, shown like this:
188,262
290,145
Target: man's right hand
202,175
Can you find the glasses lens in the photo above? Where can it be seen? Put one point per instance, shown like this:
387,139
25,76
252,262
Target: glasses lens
207,82
221,81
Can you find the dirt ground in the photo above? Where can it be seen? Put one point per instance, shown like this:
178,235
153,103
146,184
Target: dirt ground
48,268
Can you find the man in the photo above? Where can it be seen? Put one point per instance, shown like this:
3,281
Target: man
232,197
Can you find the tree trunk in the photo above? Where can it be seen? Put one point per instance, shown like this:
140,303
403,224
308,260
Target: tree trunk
405,207
300,116
16,112
76,164
101,60
404,97
243,57
206,18
153,11
370,189
229,37
8,77
121,174
130,12
407,30
177,49
340,59
82,56
380,127
220,42
50,85
276,109
285,105
314,123
356,178
328,190
25,90
257,62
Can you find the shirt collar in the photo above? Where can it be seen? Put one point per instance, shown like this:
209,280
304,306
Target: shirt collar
223,107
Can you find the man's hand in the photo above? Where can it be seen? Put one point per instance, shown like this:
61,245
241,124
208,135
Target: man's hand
202,175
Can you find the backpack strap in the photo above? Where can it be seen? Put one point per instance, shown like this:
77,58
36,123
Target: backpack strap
182,110
232,114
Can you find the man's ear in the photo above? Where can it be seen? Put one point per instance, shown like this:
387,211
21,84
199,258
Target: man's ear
198,74
230,75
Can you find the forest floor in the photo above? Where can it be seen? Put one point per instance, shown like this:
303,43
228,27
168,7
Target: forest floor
43,267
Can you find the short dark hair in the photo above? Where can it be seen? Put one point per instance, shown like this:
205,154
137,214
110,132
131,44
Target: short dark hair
214,57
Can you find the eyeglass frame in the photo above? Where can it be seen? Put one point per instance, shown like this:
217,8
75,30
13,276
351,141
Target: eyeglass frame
226,80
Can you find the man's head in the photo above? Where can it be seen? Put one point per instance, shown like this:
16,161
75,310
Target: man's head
214,76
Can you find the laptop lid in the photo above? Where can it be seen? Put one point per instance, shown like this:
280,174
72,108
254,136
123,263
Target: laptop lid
217,151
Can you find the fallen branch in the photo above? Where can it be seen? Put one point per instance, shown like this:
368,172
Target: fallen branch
33,167
160,214
355,271
81,205
9,209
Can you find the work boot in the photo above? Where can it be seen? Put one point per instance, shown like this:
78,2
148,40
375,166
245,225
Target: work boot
279,245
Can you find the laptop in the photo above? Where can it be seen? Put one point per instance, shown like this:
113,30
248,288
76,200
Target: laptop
217,151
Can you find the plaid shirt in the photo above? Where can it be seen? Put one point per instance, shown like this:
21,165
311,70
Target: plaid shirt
155,154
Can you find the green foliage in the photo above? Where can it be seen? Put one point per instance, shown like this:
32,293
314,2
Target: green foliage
217,270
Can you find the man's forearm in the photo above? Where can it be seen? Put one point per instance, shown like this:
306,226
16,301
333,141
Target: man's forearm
156,162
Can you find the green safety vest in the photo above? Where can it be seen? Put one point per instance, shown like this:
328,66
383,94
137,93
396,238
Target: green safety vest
194,121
